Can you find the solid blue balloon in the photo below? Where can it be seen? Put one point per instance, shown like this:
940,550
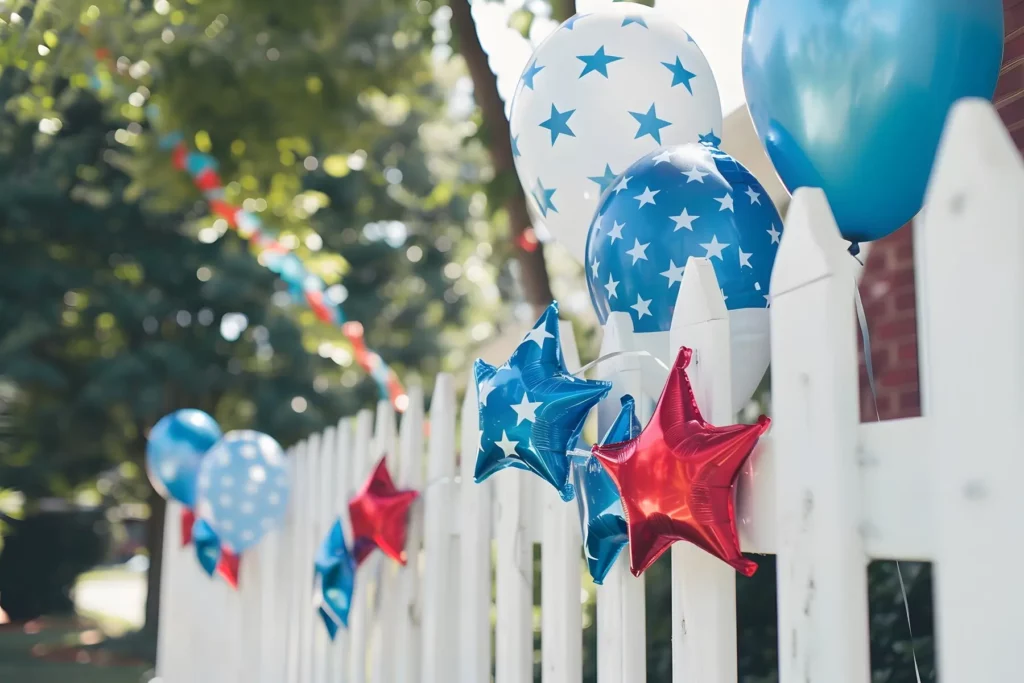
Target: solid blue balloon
243,488
852,95
602,520
690,200
176,445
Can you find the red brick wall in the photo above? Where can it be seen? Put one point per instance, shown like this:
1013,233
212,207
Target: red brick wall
887,287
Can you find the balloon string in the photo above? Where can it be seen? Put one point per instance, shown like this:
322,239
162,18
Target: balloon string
865,335
616,354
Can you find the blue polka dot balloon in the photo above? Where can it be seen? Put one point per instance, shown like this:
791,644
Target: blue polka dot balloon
678,202
176,446
243,488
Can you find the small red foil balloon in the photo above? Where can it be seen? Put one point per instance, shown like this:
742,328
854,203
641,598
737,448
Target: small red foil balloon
380,516
677,478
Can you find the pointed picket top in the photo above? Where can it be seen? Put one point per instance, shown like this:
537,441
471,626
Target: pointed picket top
470,427
570,350
411,440
812,247
974,139
700,297
384,434
618,333
441,460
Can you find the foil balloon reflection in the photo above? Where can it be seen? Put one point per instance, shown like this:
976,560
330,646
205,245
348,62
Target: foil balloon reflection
335,571
852,95
677,478
176,446
380,516
531,409
602,519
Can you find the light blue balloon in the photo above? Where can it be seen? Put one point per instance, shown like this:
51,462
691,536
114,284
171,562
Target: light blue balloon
177,444
852,95
243,488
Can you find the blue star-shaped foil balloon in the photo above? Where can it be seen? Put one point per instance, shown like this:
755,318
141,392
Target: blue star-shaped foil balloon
532,409
601,517
335,580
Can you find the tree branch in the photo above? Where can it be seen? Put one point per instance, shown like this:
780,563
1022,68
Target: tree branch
533,270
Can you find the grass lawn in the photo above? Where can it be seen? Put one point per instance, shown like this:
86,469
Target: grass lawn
17,665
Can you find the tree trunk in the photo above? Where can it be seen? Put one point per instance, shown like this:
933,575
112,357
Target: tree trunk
533,270
155,546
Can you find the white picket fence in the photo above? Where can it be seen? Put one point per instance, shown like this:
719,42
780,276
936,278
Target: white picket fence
822,492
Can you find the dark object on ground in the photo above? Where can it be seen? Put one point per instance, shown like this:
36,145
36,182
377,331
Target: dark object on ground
43,556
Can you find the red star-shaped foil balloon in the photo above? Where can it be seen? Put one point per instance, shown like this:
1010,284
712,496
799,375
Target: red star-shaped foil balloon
676,479
380,516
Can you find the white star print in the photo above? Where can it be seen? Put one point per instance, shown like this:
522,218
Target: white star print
714,247
767,301
480,439
639,251
507,447
775,234
538,335
664,156
674,273
695,174
642,307
485,389
623,184
684,220
726,203
526,409
594,266
611,287
616,232
646,197
724,297
755,197
745,259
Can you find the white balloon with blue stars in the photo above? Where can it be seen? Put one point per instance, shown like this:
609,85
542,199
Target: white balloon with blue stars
243,488
678,202
600,92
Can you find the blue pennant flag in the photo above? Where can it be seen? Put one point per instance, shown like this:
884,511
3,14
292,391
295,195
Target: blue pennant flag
207,546
335,573
602,520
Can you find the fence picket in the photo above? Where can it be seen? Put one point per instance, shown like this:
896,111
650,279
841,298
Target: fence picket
384,445
823,617
474,522
339,653
440,580
406,610
325,482
703,588
621,612
561,616
973,299
359,617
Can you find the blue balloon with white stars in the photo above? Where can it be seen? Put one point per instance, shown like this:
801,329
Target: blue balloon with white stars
335,571
243,488
531,409
674,203
600,91
602,519
176,446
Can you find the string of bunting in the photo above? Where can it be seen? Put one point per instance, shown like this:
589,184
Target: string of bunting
304,286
